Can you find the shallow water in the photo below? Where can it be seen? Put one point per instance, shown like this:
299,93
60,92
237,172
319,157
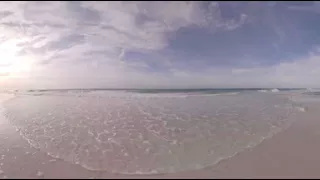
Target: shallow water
147,134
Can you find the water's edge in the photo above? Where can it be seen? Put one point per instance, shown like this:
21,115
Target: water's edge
249,147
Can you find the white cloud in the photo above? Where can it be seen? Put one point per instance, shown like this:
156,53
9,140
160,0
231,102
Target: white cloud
312,8
302,73
76,44
111,25
87,39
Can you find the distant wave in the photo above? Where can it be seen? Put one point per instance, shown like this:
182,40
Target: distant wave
141,93
269,90
147,93
263,90
275,90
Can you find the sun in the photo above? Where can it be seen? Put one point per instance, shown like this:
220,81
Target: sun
10,63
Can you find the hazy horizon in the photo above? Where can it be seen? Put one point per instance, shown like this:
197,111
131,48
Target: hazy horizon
200,88
159,45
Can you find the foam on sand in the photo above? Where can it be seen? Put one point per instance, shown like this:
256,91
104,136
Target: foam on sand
142,135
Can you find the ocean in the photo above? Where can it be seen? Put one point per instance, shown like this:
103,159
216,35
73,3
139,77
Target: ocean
149,131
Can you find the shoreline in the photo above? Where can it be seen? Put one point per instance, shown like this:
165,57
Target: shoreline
262,158
19,160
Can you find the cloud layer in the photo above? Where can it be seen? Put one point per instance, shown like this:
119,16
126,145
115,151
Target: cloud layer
159,44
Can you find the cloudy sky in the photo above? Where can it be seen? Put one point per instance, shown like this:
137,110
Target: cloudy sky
159,44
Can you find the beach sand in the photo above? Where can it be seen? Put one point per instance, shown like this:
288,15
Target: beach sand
292,153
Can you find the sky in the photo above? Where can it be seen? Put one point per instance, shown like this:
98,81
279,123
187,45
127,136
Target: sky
190,44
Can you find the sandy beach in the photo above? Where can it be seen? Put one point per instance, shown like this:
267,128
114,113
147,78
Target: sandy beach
292,153
159,90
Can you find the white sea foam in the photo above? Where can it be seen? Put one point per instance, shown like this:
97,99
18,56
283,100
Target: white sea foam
120,94
147,135
275,90
266,90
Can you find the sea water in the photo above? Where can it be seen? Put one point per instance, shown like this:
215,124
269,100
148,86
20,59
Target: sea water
133,132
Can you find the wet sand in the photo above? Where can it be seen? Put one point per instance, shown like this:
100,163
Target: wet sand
292,153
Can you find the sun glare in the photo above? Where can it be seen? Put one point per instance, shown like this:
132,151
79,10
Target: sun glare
10,63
